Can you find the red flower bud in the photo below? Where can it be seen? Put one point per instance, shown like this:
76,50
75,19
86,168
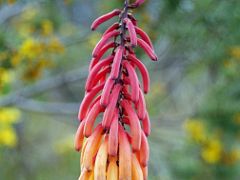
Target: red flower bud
117,62
149,51
132,32
144,36
113,136
133,81
105,18
103,42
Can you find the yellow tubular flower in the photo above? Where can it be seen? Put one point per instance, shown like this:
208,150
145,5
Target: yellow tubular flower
101,161
82,153
137,173
96,163
86,175
112,170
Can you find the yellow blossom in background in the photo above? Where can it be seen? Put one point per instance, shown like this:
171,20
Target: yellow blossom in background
235,51
196,130
32,72
9,115
8,137
36,51
212,150
230,158
39,55
47,27
16,59
5,77
31,48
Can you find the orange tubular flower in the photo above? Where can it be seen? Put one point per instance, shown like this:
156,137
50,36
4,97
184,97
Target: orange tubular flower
117,146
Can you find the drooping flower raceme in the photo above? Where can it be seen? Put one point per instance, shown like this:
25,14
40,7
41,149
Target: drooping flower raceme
117,146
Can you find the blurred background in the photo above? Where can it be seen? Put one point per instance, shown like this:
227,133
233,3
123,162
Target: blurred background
194,102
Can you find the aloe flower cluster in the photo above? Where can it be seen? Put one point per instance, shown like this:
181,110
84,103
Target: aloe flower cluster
116,147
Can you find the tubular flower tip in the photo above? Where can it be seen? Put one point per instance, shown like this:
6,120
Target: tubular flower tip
113,88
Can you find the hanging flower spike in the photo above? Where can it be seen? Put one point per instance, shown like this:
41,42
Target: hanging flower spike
108,150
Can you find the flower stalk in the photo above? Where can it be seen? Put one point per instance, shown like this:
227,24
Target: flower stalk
117,146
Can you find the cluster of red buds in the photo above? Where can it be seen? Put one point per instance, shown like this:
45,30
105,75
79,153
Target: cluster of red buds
117,146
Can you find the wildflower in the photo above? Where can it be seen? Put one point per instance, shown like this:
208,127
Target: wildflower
231,157
47,27
113,88
5,76
33,72
8,137
212,151
16,59
196,130
31,48
9,115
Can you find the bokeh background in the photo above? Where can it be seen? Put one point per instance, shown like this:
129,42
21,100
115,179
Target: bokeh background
194,103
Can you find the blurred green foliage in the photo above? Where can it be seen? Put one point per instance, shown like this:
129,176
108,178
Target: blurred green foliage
194,101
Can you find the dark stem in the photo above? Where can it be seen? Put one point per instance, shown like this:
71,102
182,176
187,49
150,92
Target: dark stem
123,27
123,33
122,43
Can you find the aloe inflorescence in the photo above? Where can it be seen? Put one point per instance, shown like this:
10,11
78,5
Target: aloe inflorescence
117,147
